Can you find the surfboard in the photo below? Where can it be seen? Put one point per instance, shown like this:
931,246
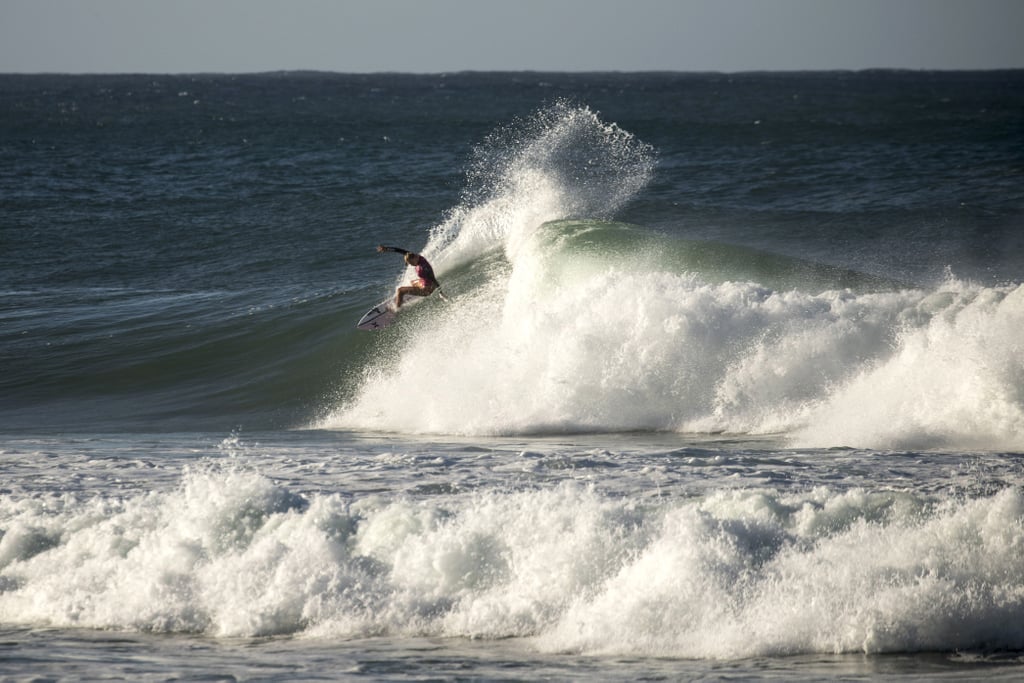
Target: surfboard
378,317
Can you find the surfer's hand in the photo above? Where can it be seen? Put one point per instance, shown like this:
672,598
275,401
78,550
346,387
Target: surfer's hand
381,248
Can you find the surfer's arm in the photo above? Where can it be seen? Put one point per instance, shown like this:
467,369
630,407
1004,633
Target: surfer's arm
381,248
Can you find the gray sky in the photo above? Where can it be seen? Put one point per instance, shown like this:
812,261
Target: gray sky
180,36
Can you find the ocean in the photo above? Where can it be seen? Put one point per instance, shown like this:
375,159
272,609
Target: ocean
728,384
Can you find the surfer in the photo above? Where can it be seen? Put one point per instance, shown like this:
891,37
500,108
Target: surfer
425,282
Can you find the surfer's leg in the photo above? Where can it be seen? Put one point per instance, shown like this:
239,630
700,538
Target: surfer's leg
410,290
415,288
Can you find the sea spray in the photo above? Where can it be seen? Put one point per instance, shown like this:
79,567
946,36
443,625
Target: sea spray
562,162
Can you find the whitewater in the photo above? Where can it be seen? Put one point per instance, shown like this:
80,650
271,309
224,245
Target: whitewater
606,328
729,383
629,548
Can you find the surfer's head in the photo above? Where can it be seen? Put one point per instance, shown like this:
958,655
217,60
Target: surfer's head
412,259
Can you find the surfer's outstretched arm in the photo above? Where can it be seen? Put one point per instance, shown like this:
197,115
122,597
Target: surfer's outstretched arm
398,250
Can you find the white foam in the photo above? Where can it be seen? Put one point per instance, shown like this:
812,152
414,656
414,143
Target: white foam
955,378
662,351
738,573
741,577
583,345
227,553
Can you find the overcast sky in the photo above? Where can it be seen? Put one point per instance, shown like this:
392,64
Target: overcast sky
183,36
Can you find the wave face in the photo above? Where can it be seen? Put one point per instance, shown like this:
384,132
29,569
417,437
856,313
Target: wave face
736,573
567,323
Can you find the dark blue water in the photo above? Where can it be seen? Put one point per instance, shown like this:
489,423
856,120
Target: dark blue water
730,380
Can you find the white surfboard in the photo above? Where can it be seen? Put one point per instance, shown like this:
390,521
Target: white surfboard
378,317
